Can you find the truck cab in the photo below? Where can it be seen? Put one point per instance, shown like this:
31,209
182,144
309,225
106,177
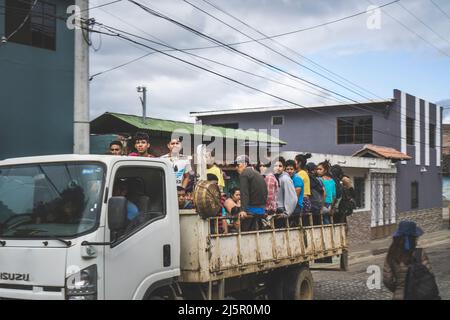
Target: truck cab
87,227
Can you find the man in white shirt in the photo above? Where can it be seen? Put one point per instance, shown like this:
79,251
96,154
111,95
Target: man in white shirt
181,164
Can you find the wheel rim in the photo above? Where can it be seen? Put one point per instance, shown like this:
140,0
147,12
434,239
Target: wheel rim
305,290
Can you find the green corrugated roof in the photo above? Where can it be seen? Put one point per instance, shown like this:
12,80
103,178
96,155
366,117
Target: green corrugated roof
170,126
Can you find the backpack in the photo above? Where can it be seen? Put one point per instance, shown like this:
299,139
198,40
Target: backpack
347,203
420,283
339,188
316,194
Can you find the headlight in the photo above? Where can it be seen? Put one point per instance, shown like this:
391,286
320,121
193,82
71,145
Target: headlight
83,284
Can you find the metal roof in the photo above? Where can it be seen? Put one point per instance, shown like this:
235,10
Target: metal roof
280,108
191,128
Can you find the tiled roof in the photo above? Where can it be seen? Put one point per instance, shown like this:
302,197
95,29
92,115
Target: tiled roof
381,152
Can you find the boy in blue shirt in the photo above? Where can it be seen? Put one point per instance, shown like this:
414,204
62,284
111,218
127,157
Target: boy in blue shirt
298,185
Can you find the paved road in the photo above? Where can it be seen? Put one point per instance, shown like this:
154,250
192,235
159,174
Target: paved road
352,285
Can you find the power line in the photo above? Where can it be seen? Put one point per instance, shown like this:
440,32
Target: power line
251,58
288,33
101,6
289,49
113,29
141,30
440,9
239,82
223,45
413,32
119,66
181,50
273,50
323,24
246,55
422,22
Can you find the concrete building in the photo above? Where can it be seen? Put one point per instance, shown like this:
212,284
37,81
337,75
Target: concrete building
405,125
36,78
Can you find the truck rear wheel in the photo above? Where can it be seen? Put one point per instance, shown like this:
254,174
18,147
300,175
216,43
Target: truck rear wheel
344,261
298,285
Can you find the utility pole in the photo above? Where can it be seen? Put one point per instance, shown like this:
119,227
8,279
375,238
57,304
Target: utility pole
81,82
143,101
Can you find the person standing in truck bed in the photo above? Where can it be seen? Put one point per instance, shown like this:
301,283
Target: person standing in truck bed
253,193
142,145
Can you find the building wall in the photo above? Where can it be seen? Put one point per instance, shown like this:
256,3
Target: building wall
429,220
424,157
36,93
310,130
359,230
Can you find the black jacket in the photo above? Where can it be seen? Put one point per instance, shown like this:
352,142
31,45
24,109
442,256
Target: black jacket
253,189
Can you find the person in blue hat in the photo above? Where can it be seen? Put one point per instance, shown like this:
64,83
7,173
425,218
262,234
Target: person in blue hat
402,253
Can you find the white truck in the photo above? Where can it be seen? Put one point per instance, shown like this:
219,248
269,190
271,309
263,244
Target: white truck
69,230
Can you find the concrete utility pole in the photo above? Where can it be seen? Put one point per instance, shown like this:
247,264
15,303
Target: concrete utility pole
81,83
143,101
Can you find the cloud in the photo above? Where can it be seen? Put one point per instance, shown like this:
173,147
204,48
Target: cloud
175,88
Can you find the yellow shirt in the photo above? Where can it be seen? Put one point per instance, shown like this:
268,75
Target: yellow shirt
216,171
304,175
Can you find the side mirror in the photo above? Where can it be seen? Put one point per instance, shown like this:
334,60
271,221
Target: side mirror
117,213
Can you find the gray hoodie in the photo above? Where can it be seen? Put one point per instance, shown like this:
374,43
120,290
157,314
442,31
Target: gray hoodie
286,197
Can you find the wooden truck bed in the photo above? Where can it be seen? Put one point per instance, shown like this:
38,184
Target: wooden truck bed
209,257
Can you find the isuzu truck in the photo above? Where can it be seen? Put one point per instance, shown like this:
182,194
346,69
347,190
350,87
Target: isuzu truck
89,227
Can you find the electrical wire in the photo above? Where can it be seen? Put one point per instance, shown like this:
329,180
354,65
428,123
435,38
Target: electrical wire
422,22
290,49
251,58
412,31
300,106
275,51
440,9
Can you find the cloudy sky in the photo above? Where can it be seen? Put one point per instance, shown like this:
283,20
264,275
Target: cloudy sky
406,46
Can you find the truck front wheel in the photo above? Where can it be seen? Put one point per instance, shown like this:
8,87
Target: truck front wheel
298,285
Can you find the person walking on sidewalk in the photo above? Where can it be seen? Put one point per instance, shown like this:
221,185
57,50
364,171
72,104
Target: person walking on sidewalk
407,270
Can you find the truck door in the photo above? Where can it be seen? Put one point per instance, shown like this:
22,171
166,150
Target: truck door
142,252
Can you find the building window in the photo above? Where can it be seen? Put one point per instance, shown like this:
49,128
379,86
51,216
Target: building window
354,130
39,30
360,192
410,126
432,135
414,195
277,120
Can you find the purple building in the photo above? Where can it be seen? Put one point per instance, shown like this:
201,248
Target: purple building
408,124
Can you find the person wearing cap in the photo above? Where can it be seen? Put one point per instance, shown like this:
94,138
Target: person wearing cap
253,190
400,255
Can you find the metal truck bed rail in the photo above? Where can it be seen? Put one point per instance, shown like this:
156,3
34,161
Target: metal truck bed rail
207,256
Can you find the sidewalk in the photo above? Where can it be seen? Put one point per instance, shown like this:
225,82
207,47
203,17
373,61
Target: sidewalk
380,246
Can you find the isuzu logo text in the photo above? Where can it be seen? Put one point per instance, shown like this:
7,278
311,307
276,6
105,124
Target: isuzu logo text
15,276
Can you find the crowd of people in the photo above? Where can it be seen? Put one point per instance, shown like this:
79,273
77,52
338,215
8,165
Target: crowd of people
304,193
295,192
278,188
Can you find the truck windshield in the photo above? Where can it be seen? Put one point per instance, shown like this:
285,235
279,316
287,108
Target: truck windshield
50,200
